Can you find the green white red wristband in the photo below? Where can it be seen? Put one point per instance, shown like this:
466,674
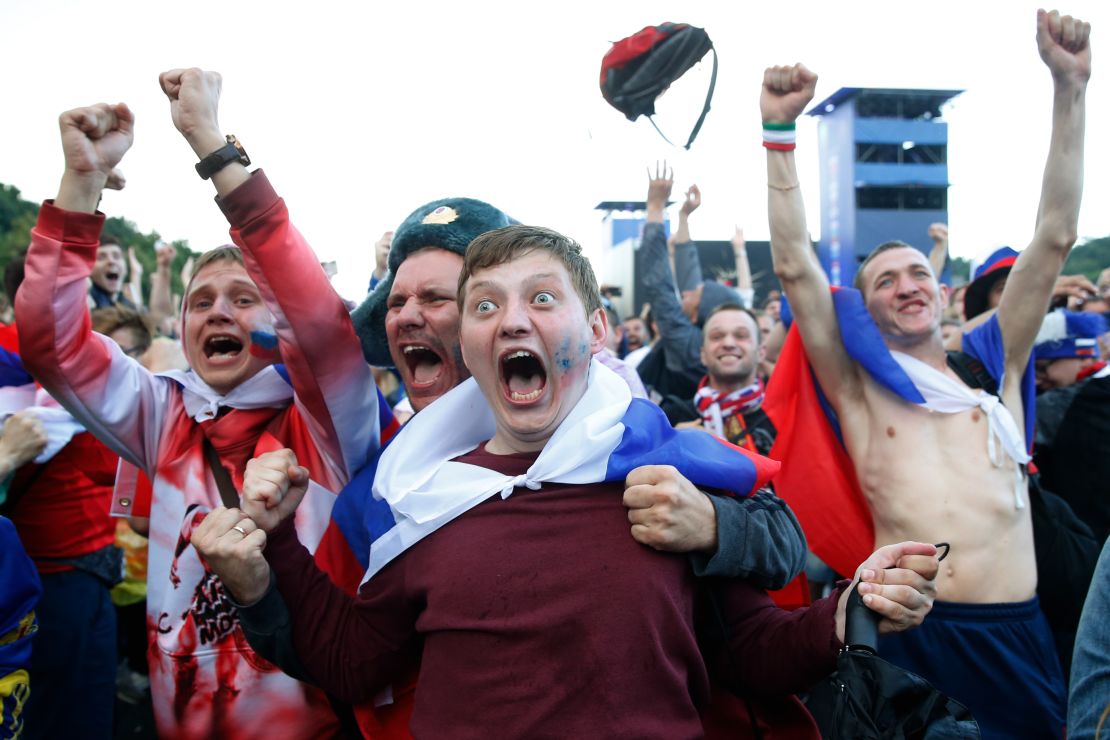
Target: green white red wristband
779,136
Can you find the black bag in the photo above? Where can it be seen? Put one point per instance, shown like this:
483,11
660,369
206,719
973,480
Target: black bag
637,69
867,698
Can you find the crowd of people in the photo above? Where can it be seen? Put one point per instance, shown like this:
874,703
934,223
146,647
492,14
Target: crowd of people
482,503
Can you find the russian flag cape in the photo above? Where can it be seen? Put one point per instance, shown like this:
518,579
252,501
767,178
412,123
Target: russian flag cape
818,478
414,488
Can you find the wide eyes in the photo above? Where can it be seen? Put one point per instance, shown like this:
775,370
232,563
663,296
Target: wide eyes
542,298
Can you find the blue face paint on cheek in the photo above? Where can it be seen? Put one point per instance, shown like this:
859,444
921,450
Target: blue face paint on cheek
568,356
563,359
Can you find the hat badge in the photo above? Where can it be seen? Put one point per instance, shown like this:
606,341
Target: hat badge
441,215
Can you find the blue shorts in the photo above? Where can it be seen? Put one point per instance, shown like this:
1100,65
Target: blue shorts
999,660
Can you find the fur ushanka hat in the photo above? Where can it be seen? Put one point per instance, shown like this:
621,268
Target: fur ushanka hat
451,224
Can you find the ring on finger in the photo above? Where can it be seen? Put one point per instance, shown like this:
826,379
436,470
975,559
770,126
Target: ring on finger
240,530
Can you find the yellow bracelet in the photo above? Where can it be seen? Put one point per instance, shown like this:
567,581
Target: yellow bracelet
782,189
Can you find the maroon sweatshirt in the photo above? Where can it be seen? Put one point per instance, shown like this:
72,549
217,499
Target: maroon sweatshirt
540,616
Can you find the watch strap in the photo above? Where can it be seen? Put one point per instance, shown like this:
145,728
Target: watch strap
230,152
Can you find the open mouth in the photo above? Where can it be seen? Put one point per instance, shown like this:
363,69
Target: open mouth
222,347
112,276
425,365
523,376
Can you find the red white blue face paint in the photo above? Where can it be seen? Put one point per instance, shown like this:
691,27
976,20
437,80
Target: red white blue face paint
264,342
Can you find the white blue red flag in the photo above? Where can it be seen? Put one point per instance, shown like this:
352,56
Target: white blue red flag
818,478
418,487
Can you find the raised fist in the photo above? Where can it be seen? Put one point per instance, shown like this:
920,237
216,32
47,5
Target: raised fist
786,93
194,103
165,254
94,139
1064,45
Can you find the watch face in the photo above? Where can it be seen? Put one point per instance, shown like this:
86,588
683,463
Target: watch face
244,158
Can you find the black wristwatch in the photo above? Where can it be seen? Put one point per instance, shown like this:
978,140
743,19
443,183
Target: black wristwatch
230,152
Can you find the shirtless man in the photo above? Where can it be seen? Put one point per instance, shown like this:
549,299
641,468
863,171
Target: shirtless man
936,476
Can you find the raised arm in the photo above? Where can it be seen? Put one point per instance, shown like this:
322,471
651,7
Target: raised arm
161,300
108,392
1064,46
743,268
331,380
684,252
677,332
786,92
135,278
938,255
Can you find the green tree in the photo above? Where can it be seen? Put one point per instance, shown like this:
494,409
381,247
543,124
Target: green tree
1089,258
18,216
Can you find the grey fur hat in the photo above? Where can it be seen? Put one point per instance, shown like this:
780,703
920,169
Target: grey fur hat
451,224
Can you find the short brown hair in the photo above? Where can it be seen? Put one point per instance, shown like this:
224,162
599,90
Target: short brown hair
110,319
857,281
741,309
226,253
499,246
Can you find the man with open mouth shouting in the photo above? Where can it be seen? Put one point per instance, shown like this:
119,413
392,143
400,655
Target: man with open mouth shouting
507,566
412,320
107,277
193,432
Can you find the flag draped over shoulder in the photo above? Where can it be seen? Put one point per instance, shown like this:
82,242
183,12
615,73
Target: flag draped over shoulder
344,550
608,434
636,433
818,478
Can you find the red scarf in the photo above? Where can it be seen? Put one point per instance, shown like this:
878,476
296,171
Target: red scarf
1090,370
716,410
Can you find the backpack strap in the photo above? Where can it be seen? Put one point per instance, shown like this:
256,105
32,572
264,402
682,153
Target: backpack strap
228,494
972,372
708,99
704,110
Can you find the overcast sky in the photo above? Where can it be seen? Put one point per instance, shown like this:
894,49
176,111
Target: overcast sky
360,112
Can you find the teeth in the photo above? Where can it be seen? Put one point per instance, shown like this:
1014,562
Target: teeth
520,353
415,347
526,396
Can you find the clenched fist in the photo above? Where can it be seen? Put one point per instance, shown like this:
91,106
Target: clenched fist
273,486
194,103
667,512
786,93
